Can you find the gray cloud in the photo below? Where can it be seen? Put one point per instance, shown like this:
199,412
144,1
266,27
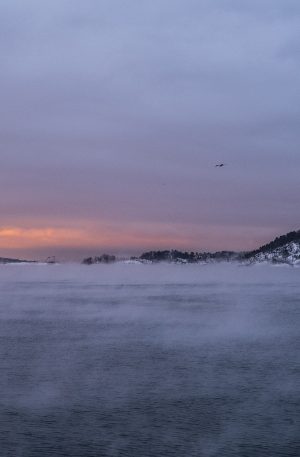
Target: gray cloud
121,109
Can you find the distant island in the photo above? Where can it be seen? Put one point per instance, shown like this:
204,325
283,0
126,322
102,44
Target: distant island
104,258
284,249
4,260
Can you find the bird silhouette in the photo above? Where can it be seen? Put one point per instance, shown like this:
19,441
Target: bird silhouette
220,165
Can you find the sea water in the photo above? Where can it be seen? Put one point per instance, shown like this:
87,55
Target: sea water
149,360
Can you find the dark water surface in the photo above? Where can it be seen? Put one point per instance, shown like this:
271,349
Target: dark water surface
146,361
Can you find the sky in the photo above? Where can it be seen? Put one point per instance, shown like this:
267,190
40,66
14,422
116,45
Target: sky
114,114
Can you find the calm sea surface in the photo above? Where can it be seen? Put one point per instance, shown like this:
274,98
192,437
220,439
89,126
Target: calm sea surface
149,361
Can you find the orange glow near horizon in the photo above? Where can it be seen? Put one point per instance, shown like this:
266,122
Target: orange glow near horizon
23,238
35,241
15,238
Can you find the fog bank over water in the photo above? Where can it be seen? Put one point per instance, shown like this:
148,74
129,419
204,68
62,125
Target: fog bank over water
149,360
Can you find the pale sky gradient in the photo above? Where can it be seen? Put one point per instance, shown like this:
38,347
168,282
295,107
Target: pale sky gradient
114,113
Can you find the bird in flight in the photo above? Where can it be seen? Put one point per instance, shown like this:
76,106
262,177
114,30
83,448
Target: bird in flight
220,165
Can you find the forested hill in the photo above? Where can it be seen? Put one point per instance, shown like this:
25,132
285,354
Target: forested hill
187,257
279,242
